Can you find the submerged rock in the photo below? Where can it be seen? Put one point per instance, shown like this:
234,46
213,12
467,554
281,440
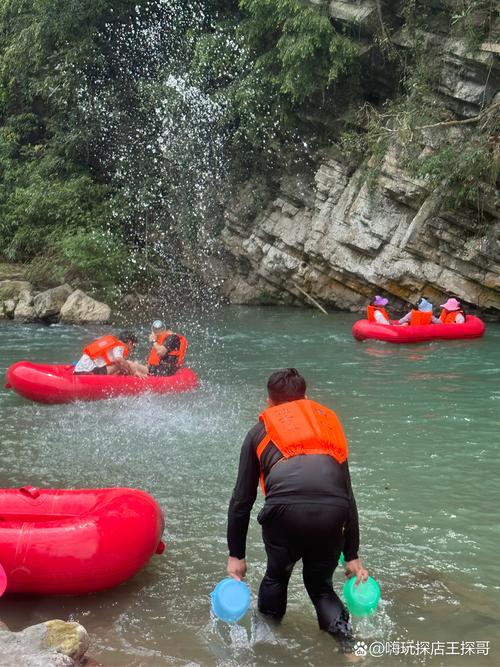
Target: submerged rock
79,308
48,304
50,644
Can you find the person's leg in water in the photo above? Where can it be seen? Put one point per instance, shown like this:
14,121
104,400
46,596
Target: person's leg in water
281,557
315,534
320,558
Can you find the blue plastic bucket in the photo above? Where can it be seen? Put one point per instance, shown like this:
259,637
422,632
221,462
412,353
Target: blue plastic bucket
230,600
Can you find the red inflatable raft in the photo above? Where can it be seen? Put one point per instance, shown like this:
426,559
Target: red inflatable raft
57,384
56,542
473,327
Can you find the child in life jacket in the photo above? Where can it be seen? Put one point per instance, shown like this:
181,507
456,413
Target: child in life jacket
452,312
376,312
421,314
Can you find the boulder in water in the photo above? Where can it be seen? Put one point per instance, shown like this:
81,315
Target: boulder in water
48,304
50,644
80,308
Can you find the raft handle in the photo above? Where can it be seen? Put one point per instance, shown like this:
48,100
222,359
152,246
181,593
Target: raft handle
31,491
160,548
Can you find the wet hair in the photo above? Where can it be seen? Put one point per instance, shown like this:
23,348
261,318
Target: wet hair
128,337
286,385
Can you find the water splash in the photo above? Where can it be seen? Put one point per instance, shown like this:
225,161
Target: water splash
160,139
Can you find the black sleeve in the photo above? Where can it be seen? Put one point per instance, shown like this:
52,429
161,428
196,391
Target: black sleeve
244,493
172,343
351,529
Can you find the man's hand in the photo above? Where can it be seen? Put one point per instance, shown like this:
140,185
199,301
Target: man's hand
236,567
152,337
355,568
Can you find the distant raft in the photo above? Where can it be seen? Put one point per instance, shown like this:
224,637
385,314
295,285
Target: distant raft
47,383
473,327
73,542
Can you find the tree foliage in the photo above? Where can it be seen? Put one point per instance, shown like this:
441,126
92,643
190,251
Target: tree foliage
123,124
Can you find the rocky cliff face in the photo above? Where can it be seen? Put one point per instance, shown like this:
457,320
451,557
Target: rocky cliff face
326,232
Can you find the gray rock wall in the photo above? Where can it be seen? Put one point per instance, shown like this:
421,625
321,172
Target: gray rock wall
352,243
327,233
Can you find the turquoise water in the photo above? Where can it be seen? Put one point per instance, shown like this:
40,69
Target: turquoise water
422,424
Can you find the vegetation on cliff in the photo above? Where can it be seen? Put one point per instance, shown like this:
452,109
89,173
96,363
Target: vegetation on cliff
124,125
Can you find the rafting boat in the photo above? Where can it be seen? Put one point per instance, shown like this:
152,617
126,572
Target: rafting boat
47,383
69,542
473,327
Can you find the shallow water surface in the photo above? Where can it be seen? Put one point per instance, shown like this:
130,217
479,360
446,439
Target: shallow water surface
422,424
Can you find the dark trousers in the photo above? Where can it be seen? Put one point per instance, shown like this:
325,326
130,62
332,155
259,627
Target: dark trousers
313,533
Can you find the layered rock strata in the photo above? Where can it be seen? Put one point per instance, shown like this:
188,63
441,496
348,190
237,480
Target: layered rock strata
327,233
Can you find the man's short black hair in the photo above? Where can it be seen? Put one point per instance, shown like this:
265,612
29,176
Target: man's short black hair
128,337
286,385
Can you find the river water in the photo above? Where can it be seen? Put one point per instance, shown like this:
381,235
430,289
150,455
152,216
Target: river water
422,423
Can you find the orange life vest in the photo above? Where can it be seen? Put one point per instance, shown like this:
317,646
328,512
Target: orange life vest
449,316
154,358
302,427
101,346
371,313
417,317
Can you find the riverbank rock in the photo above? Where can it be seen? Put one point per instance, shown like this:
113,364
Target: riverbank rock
80,308
12,271
50,644
11,289
24,310
48,304
9,307
342,226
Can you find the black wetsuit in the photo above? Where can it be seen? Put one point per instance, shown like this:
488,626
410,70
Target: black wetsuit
310,514
168,365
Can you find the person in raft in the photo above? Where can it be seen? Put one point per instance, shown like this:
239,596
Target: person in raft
299,452
108,355
167,352
376,311
452,312
421,314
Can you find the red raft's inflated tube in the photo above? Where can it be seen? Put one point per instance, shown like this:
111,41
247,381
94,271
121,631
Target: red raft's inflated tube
71,542
473,327
46,383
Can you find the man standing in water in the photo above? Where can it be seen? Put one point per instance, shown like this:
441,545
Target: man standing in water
299,452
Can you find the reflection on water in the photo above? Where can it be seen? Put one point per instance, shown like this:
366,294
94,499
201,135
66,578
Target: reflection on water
422,423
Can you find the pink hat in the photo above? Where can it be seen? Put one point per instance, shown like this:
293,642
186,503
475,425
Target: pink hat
451,304
380,301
